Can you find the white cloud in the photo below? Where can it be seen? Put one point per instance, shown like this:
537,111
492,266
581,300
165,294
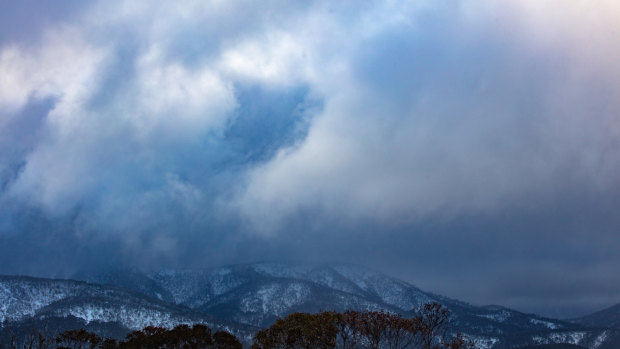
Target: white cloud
179,100
63,67
278,59
445,147
508,111
88,142
451,129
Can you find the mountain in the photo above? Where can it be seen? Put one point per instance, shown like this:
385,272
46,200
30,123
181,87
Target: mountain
57,305
243,298
553,346
257,294
606,318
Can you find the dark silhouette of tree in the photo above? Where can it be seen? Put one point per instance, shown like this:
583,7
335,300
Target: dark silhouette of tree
372,326
433,320
348,329
35,337
78,339
225,340
300,330
109,343
378,329
401,332
458,342
150,336
182,336
370,329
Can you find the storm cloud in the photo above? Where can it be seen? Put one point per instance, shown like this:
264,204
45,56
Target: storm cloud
469,147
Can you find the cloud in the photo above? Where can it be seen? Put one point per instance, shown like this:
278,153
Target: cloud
422,137
450,117
63,67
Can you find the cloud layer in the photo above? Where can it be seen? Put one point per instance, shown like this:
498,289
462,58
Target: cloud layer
464,143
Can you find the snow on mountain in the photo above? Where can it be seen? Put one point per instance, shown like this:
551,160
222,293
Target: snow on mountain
181,284
132,279
325,276
282,270
233,292
389,290
244,297
500,316
575,337
547,324
194,288
482,342
27,299
22,296
262,301
352,279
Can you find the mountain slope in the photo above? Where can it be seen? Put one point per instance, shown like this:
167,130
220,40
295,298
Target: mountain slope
257,294
64,304
242,298
606,318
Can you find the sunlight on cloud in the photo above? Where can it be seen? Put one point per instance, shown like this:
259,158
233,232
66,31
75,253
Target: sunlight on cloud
181,100
279,59
63,67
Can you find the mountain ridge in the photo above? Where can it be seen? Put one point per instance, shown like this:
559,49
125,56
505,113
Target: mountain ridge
243,298
258,293
607,318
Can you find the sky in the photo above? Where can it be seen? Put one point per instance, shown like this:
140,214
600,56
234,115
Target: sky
471,148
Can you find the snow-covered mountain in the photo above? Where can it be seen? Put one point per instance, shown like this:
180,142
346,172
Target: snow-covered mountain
243,298
48,302
257,294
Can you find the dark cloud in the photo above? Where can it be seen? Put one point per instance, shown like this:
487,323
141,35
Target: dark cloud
469,148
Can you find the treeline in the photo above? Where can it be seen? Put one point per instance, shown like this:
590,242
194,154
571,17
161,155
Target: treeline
182,337
323,330
368,330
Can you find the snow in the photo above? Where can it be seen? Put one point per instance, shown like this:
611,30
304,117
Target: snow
574,337
391,291
600,339
497,317
195,288
198,288
22,297
547,324
257,293
482,342
181,284
276,299
26,297
130,317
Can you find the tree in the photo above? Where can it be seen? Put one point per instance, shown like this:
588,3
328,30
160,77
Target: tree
370,329
458,342
225,340
348,329
432,322
182,336
78,339
300,331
